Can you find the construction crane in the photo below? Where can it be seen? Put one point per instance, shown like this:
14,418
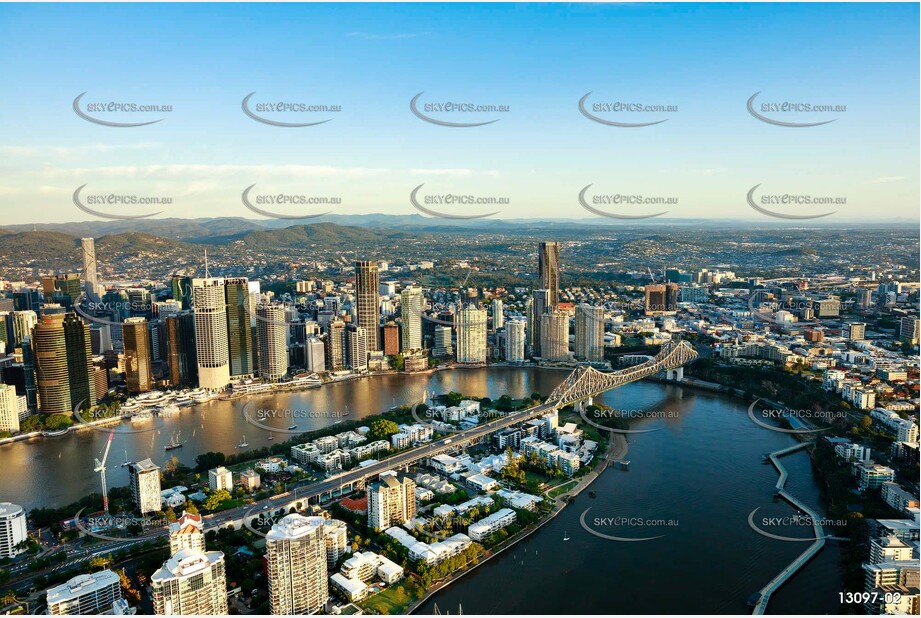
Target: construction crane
101,469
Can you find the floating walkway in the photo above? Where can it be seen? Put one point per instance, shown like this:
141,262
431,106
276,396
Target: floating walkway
762,597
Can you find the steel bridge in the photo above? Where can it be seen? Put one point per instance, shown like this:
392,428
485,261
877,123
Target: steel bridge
586,382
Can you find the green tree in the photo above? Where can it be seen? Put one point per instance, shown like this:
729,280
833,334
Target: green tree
382,429
31,423
209,460
216,499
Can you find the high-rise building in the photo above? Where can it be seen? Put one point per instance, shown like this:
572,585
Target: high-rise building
137,355
62,289
79,362
471,335
239,337
367,296
22,323
856,331
28,371
182,291
91,283
411,305
62,355
272,336
554,336
357,347
145,486
188,532
89,594
661,298
391,338
337,542
180,345
12,529
549,271
865,298
213,355
514,341
498,317
909,329
539,306
589,341
335,346
190,583
315,354
391,502
11,406
295,555
442,343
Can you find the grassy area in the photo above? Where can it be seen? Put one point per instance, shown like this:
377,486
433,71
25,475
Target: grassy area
562,488
392,600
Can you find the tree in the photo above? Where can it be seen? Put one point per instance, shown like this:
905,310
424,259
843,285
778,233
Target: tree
866,422
382,429
453,398
31,423
216,499
209,460
58,421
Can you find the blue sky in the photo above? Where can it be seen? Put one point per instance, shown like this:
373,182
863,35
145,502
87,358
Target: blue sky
539,60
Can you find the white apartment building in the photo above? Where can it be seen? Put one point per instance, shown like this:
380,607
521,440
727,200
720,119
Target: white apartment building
145,486
296,558
896,497
190,583
471,336
391,502
85,595
12,406
12,529
188,532
871,475
220,478
491,524
515,340
337,542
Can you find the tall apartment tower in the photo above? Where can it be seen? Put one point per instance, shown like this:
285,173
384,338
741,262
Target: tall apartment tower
272,334
548,266
180,345
239,335
554,334
315,354
471,335
411,305
539,306
356,338
188,532
90,281
589,343
514,341
12,529
63,359
367,295
210,307
190,583
145,486
137,355
295,554
391,502
335,346
498,315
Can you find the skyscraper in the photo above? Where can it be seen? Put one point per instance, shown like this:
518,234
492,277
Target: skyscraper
589,343
548,265
514,341
137,355
239,336
391,502
411,304
182,290
554,334
295,555
210,306
189,583
22,323
61,351
356,347
661,298
471,335
145,486
539,306
188,532
390,338
272,336
335,346
367,293
180,343
315,354
91,284
498,317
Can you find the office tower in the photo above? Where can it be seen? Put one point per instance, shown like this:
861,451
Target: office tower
28,371
391,502
411,305
471,335
391,338
315,353
145,486
331,304
239,337
11,405
554,333
137,355
272,337
12,529
549,271
357,347
498,317
529,324
213,355
190,583
27,300
909,329
62,289
101,338
100,379
91,283
335,346
337,542
139,302
367,296
589,343
22,323
865,298
539,306
295,556
514,341
180,345
661,298
63,363
87,595
182,291
856,331
442,345
6,328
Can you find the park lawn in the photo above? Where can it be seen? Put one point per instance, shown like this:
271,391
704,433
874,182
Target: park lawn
561,488
392,600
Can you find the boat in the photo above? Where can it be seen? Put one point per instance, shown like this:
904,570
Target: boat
126,463
271,437
565,536
169,410
292,427
243,443
174,442
592,494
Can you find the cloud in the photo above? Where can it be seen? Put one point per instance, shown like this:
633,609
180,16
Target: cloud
883,179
